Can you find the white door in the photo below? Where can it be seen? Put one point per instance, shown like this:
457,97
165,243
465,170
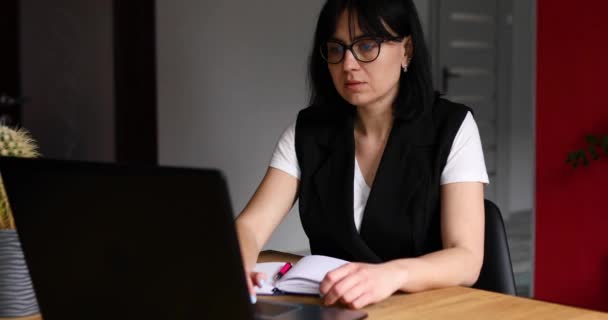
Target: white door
470,69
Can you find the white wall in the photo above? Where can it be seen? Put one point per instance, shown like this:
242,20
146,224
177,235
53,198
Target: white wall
231,77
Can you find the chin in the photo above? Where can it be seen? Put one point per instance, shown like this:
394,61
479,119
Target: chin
356,99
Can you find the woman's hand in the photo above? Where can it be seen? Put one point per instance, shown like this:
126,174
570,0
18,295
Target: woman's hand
360,284
269,205
255,279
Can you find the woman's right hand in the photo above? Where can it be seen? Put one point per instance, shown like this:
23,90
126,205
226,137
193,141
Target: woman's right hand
269,205
255,279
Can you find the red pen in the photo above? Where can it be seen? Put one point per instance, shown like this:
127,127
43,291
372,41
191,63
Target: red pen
283,270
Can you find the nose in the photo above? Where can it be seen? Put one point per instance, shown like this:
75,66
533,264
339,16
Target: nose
350,63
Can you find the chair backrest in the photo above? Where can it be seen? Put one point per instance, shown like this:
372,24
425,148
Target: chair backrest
497,272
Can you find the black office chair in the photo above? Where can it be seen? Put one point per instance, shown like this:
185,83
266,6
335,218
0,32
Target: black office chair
496,272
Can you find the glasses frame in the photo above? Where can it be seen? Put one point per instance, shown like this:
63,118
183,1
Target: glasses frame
349,47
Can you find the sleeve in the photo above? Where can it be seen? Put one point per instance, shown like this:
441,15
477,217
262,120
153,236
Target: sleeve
284,156
465,162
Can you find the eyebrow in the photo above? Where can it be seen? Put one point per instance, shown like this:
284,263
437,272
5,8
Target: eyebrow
354,39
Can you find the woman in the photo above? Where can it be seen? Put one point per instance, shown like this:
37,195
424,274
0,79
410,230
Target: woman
387,174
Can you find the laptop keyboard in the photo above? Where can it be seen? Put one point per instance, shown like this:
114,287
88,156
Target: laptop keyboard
270,310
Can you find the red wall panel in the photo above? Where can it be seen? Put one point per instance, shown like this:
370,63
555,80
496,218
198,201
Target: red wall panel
571,252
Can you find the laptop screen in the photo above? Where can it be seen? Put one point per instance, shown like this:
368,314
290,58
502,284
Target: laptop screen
107,241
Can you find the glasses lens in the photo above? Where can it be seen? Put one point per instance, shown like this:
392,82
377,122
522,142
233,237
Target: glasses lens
366,49
332,52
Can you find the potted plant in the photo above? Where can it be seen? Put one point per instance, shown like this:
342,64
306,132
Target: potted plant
17,296
594,142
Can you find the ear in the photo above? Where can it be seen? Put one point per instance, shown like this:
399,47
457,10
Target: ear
408,46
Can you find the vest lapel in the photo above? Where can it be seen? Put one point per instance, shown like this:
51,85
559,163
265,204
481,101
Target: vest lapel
397,180
334,186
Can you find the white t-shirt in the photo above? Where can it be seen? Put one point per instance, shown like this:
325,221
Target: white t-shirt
465,162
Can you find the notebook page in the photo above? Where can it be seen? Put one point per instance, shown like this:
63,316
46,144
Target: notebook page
313,268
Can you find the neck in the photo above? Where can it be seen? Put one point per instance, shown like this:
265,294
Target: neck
374,122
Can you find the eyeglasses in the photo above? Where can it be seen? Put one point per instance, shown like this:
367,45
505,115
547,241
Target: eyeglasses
364,50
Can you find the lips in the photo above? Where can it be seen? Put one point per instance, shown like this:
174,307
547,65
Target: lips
354,85
349,83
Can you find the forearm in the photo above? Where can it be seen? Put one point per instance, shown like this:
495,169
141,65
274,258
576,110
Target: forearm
270,203
455,266
250,248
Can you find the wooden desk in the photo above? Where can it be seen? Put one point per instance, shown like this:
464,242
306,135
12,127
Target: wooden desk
34,317
450,303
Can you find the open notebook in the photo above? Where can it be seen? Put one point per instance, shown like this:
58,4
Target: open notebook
303,278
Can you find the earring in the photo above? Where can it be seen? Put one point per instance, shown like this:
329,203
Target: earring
406,64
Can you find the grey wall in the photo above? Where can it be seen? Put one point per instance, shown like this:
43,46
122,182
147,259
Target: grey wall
67,73
231,78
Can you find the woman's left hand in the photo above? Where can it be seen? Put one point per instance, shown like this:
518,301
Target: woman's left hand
360,284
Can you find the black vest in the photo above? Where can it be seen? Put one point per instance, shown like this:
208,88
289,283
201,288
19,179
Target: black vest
401,218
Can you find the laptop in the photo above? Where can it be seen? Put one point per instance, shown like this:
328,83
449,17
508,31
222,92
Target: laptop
110,241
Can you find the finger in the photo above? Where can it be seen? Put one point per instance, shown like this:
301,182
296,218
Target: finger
252,294
353,293
342,287
259,279
362,301
249,283
332,277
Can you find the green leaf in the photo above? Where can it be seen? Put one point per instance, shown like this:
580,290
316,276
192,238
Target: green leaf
604,144
575,156
593,140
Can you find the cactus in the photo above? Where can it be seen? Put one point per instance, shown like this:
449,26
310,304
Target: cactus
13,143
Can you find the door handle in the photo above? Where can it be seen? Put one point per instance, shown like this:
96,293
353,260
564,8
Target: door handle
446,75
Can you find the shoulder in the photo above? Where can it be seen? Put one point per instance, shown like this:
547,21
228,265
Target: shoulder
447,117
446,112
319,114
319,120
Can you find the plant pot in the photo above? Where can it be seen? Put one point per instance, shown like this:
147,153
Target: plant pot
17,297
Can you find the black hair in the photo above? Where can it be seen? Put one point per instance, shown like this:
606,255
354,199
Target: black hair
416,93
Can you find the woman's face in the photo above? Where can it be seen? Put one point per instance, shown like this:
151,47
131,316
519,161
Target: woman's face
368,84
